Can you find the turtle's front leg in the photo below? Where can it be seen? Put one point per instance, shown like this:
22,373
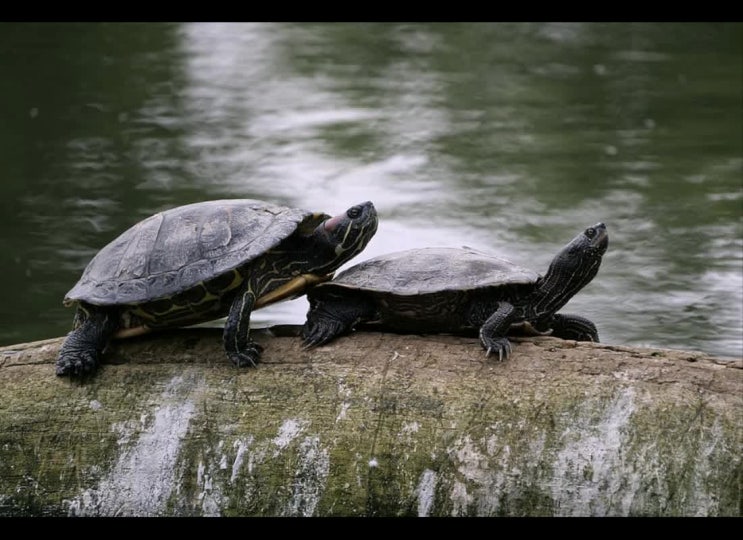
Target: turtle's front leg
493,331
574,327
82,349
333,316
241,350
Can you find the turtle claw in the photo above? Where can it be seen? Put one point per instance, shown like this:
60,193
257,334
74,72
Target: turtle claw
311,343
501,345
315,341
310,337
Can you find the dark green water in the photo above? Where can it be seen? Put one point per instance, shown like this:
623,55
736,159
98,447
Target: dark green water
509,138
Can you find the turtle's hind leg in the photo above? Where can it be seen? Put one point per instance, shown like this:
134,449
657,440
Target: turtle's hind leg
333,316
82,349
574,327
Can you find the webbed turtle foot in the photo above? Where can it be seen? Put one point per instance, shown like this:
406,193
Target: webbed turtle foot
315,334
493,346
574,327
248,357
77,363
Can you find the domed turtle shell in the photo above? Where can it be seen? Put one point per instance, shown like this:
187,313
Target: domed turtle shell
177,249
432,270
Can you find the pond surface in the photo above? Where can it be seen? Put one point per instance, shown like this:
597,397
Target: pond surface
510,138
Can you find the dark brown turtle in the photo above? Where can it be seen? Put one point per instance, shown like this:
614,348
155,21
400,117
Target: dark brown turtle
204,261
457,290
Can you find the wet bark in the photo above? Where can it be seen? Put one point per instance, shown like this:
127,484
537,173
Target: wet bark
374,424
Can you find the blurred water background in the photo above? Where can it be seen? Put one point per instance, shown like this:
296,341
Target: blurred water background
510,138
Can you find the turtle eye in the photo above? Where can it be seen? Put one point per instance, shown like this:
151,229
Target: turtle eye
590,232
354,212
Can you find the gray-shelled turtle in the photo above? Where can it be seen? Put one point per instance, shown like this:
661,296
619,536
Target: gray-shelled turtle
204,261
458,290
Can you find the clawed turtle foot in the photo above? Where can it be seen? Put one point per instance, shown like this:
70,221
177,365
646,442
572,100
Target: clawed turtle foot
315,334
248,357
499,346
76,364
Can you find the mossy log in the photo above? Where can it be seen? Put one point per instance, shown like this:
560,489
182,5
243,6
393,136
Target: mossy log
375,424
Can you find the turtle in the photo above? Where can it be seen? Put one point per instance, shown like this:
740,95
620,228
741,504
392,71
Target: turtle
458,290
203,261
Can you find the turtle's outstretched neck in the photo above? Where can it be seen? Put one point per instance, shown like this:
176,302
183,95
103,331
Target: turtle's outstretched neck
572,269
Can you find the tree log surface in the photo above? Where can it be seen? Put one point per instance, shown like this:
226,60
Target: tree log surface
374,424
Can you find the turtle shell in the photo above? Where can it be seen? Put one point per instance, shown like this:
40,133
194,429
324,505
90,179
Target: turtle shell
432,270
177,249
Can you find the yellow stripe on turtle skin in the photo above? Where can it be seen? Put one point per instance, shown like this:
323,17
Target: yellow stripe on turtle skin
295,287
277,276
223,285
125,333
291,289
156,309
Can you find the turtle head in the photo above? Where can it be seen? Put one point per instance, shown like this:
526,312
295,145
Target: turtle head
338,239
572,269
